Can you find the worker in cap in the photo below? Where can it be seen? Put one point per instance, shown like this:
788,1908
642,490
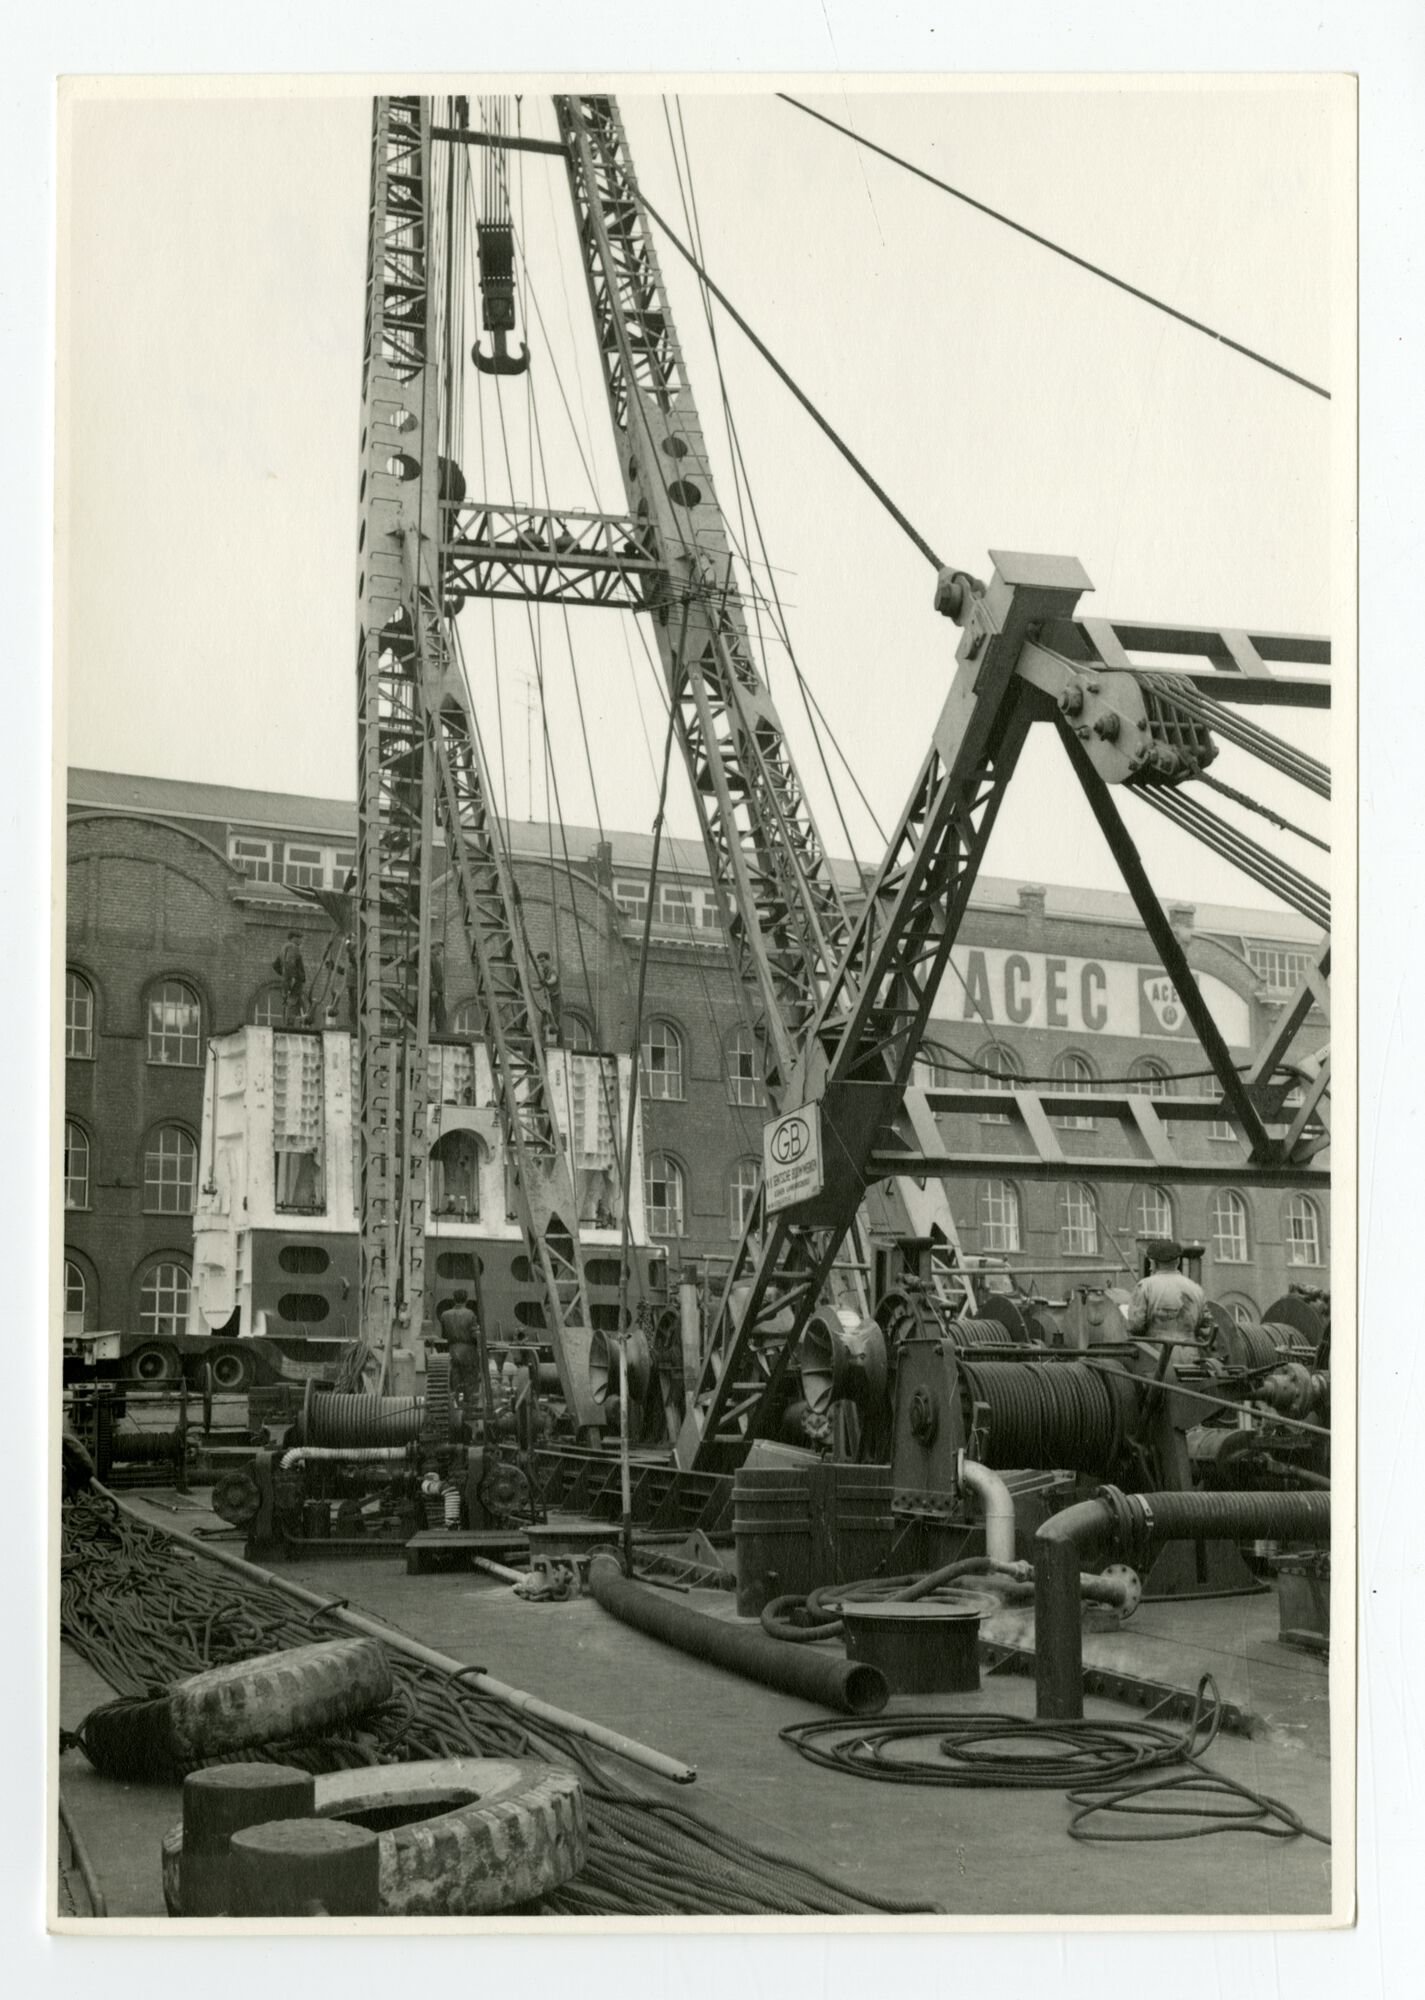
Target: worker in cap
1165,1305
550,996
294,980
461,1331
437,989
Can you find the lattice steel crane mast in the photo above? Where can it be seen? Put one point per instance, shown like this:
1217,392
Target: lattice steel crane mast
419,764
780,905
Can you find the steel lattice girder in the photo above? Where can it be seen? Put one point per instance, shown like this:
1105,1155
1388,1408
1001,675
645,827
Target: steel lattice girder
419,760
1036,1151
781,909
540,555
393,856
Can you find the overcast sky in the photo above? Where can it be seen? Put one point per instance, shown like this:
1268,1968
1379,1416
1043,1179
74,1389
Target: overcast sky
1004,398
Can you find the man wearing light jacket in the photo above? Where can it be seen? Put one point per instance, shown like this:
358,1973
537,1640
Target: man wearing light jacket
1165,1305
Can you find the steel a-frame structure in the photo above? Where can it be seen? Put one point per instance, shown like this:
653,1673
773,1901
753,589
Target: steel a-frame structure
1023,659
841,998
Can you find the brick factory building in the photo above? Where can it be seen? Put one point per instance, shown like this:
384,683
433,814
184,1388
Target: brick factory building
180,896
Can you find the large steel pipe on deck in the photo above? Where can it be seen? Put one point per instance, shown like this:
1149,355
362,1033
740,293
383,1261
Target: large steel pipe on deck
1115,1523
845,1685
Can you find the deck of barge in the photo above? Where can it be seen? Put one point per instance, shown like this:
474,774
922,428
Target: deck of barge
971,1853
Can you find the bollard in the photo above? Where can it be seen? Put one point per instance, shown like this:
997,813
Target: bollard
306,1868
220,1802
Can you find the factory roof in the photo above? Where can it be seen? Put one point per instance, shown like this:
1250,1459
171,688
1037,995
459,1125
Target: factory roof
289,812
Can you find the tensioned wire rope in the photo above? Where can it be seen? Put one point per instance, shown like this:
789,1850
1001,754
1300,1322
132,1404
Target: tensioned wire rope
1195,819
692,222
607,1088
669,862
1060,250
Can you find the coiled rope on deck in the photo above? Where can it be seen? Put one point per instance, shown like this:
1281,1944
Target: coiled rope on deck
144,1612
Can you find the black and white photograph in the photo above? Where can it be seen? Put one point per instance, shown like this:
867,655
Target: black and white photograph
703,1273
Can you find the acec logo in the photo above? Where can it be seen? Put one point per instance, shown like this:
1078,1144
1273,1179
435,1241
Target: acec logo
790,1141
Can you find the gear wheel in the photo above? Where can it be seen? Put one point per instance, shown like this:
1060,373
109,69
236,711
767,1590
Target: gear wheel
435,1416
505,1492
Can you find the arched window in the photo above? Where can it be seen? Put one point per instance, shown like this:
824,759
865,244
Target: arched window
1149,1078
1221,1129
742,1192
578,1035
1229,1227
1074,1072
1153,1212
175,1024
267,1008
455,1175
1243,1312
170,1172
662,1060
663,1178
76,1165
467,1019
1004,1069
78,1015
1078,1220
999,1217
744,1073
76,1292
163,1298
450,1077
1303,1230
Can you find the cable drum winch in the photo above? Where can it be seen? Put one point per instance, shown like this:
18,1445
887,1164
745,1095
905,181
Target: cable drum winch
843,1358
1265,1346
329,1418
604,1367
1021,1413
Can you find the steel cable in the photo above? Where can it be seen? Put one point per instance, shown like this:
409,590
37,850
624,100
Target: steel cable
1233,727
1043,1413
1296,890
1090,1759
1061,250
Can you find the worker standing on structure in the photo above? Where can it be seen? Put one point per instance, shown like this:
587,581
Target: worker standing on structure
437,989
293,971
461,1331
553,998
1165,1304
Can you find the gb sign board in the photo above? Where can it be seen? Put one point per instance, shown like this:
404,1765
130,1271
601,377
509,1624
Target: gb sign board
791,1157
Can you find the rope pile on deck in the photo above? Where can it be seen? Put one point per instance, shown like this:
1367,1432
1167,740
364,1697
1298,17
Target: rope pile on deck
144,1612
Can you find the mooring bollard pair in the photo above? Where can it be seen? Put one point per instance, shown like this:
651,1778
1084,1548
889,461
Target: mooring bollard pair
253,1846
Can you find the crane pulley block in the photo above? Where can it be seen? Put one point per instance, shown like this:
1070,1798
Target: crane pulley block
1128,730
495,250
